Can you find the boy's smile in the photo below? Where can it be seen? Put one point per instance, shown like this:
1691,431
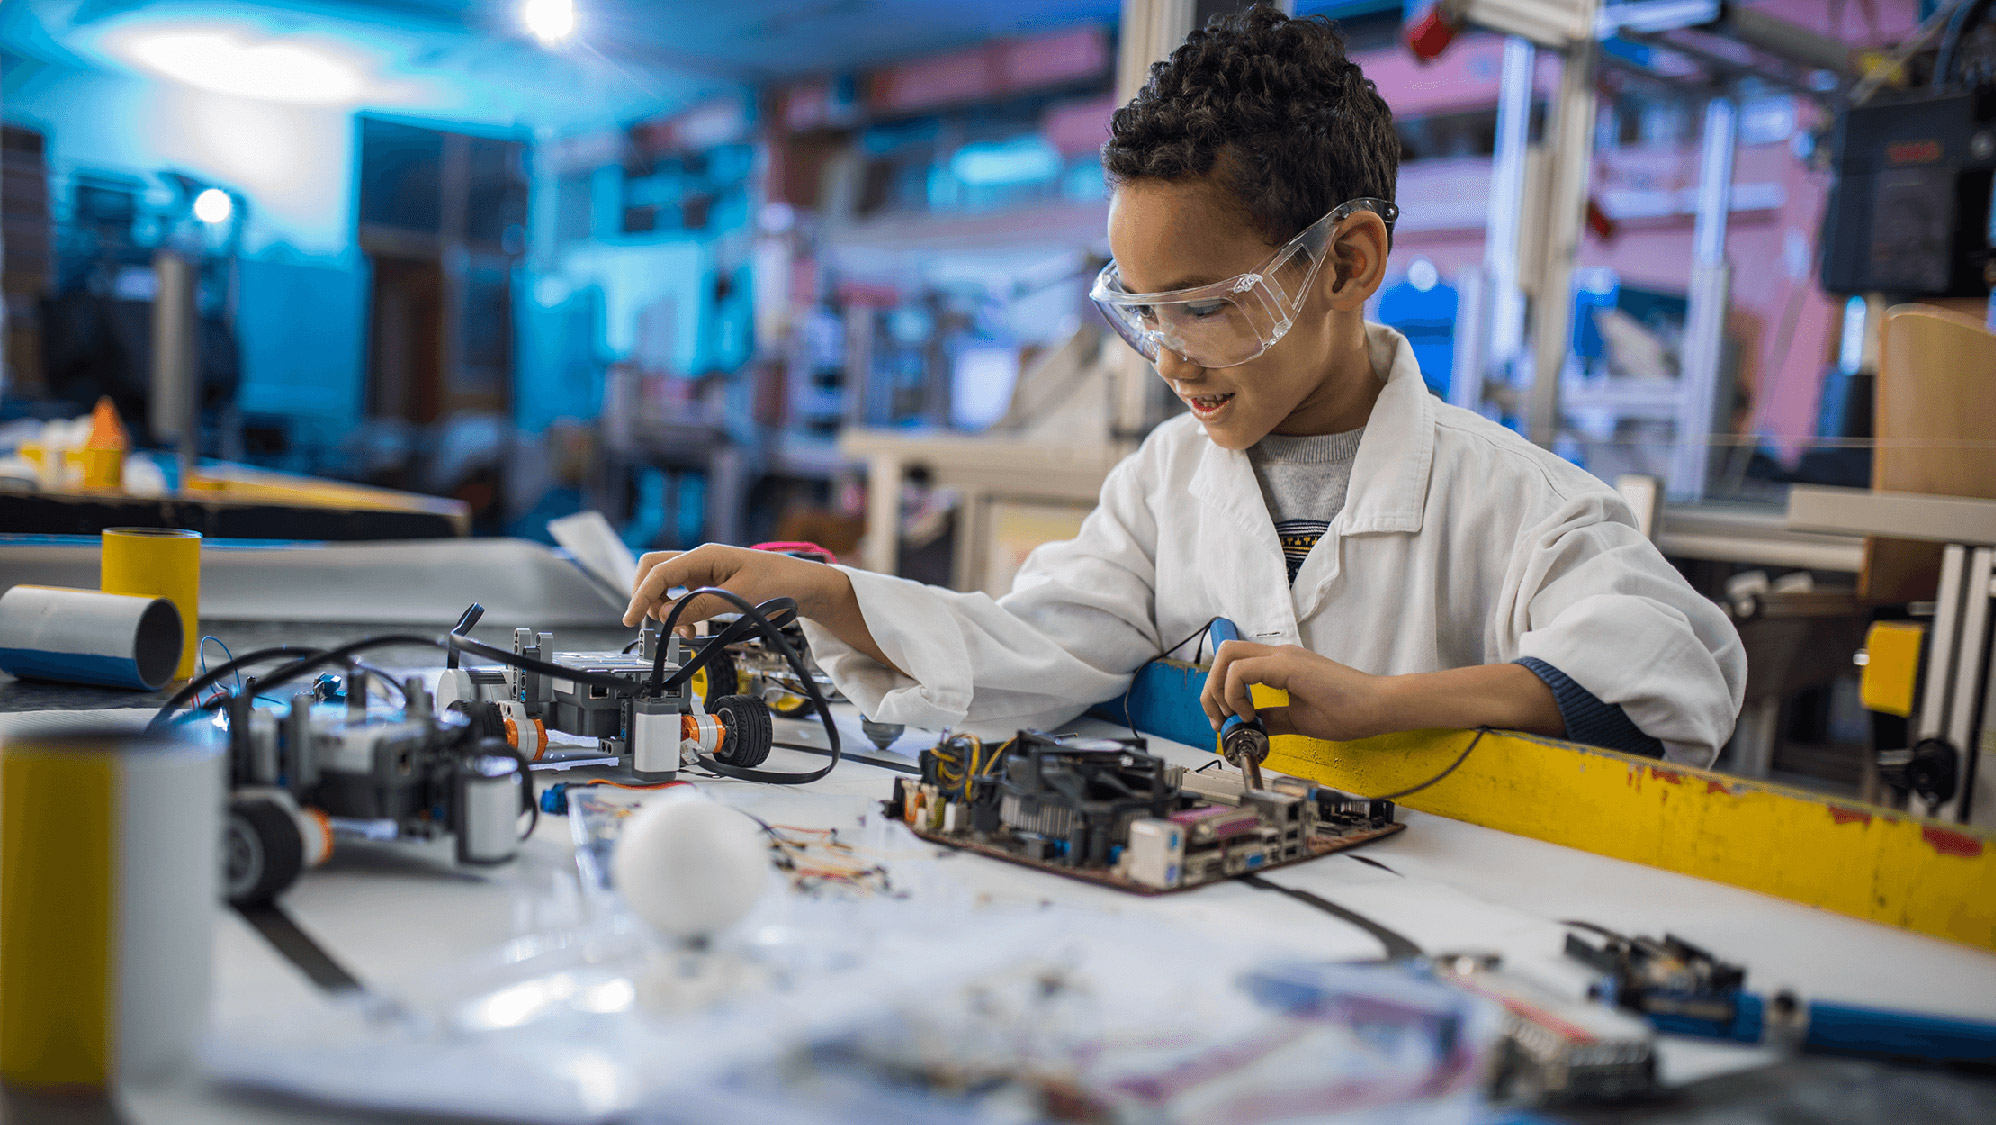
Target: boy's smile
1168,235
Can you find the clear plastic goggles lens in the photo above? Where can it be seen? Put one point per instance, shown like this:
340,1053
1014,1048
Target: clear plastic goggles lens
1218,331
1233,321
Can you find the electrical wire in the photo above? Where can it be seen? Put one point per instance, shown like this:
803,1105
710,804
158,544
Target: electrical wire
206,680
864,759
1459,759
1198,634
777,611
341,655
775,638
385,676
528,664
753,619
202,649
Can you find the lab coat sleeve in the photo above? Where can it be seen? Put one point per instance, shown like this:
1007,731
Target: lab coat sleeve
1077,624
1594,598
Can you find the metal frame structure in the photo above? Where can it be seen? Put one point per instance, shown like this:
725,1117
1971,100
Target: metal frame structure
1760,46
1954,704
1711,292
1959,675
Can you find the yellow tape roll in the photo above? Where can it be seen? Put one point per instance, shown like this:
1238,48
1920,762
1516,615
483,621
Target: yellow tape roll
160,563
108,870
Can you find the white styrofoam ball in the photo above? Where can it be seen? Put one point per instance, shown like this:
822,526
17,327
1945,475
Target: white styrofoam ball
690,867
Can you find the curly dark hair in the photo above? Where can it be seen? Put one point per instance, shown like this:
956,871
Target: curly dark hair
1276,105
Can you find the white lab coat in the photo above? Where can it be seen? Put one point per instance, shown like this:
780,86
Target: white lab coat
1460,543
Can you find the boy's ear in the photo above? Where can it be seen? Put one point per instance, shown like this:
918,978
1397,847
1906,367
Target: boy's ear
1357,262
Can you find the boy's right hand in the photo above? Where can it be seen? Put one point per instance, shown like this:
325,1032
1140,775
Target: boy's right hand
754,576
823,593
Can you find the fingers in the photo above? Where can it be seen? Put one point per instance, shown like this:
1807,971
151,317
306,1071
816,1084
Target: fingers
651,559
661,571
1212,697
1234,688
699,609
1271,667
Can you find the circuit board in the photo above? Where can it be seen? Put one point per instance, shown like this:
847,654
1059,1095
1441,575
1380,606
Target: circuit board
1105,811
1314,847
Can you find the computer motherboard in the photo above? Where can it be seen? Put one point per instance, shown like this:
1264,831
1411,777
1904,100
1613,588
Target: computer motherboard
1107,811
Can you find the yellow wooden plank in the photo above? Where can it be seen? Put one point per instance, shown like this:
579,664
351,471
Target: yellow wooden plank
1856,859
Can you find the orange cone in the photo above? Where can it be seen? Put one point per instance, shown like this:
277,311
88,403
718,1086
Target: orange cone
103,451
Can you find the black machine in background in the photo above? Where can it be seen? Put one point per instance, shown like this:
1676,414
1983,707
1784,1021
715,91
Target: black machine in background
97,322
1912,213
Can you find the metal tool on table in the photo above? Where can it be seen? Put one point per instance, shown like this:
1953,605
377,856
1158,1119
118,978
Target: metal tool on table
1684,990
1243,742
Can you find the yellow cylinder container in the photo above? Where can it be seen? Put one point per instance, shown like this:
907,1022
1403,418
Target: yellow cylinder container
160,563
103,469
109,865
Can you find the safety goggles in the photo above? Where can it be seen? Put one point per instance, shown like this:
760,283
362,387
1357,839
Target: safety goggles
1228,322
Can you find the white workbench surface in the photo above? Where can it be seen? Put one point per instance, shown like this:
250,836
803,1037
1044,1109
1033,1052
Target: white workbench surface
387,913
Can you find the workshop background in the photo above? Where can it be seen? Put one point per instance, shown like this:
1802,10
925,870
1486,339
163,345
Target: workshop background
788,270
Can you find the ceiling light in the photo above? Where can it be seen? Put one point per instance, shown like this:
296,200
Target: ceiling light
213,206
550,21
227,62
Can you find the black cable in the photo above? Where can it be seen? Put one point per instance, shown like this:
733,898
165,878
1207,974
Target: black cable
1198,633
529,664
1596,928
340,655
782,644
868,759
386,677
1399,947
316,658
313,659
1459,759
213,676
736,632
297,947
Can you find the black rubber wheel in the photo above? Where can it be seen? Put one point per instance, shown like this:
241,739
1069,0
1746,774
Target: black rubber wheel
750,731
263,848
485,717
722,679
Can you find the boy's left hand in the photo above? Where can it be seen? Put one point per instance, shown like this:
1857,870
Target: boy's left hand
1326,699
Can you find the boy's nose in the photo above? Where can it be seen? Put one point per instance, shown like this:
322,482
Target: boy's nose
1175,368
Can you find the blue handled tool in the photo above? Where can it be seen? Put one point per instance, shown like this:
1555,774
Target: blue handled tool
1243,742
1684,990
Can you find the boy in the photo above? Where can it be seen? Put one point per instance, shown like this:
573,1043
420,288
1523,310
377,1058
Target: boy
1398,563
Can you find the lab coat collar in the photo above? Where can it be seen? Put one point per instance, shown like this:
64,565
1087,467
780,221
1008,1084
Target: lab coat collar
1389,477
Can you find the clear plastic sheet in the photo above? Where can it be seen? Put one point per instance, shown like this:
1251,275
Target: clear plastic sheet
849,1004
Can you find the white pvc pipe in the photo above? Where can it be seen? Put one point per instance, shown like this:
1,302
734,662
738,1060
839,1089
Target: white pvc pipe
87,637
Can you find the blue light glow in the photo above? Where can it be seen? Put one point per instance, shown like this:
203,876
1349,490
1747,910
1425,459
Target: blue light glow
213,206
1021,160
550,21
